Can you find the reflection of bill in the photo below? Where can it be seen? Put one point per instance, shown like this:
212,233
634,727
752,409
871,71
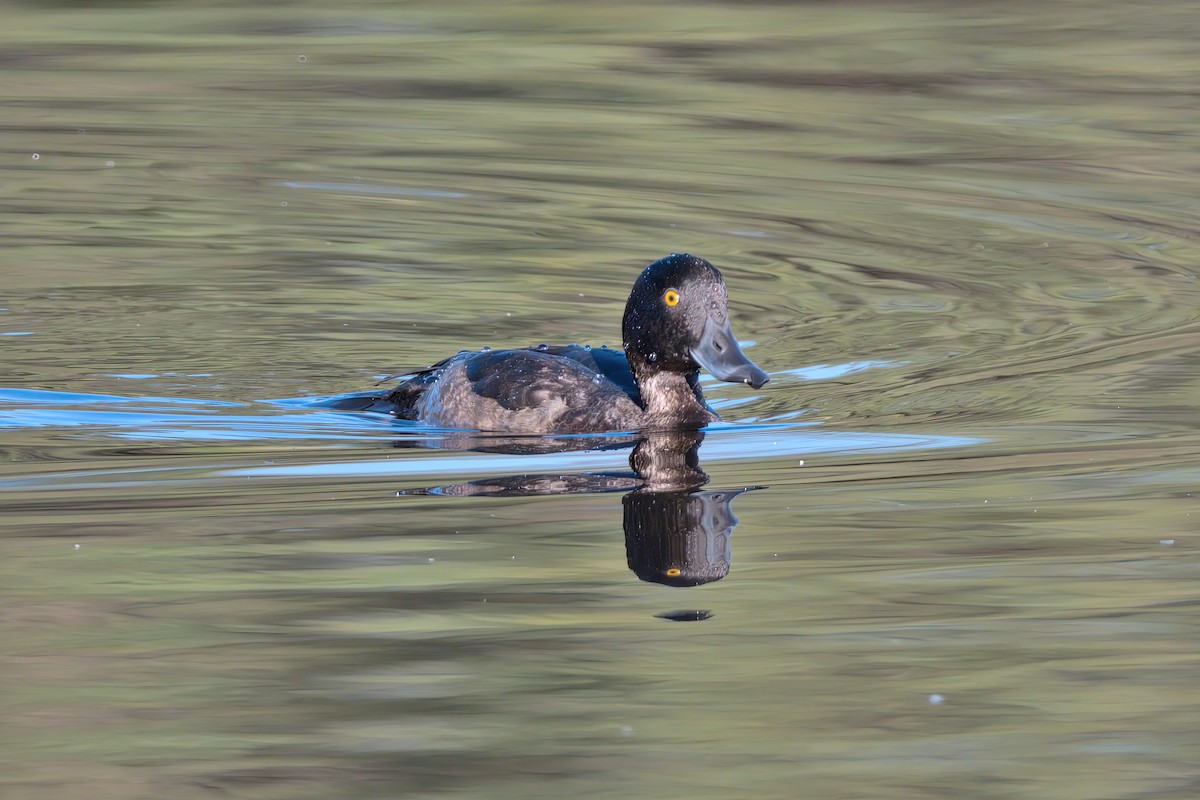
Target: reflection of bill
675,534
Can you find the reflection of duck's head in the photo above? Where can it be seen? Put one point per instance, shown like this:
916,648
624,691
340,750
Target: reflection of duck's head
677,320
679,538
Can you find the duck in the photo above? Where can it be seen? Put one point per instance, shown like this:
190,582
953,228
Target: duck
676,323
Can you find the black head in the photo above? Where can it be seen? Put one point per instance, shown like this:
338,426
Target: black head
677,320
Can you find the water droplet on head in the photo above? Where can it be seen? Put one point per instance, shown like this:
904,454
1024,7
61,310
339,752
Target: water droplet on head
543,347
587,348
485,349
652,357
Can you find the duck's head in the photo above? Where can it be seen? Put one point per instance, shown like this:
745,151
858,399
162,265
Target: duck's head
677,320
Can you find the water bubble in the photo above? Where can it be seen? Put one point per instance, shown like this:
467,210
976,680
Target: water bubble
936,699
302,59
76,547
36,156
587,348
596,380
110,163
284,204
652,357
543,347
485,349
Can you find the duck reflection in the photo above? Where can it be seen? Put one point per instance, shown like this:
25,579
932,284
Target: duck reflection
676,533
677,537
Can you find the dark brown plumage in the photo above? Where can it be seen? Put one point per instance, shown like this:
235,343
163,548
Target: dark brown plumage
675,322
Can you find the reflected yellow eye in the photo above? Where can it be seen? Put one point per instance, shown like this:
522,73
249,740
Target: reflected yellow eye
671,298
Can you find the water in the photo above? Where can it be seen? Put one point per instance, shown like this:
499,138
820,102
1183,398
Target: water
961,239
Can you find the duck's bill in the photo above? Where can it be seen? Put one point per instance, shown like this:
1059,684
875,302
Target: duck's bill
718,353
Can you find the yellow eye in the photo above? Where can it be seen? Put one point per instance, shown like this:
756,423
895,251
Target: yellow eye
671,298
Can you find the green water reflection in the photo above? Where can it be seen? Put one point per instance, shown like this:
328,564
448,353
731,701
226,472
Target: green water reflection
970,221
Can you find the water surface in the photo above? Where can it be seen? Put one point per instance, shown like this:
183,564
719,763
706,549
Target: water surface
961,238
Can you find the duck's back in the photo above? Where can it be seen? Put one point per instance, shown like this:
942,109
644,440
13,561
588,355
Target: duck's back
561,389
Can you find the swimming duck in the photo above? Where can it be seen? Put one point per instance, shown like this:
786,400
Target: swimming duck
676,322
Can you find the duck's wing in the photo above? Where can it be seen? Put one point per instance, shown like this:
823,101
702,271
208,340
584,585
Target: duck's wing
532,378
612,364
528,392
533,390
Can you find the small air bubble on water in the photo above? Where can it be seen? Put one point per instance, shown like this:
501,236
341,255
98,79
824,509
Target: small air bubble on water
508,313
110,163
36,156
302,59
936,699
76,547
284,204
1160,541
485,349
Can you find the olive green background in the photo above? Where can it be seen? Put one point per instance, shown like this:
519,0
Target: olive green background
981,218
